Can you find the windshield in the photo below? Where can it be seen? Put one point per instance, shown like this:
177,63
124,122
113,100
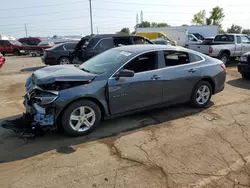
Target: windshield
15,42
105,61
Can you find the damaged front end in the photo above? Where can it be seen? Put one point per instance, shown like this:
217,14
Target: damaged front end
38,106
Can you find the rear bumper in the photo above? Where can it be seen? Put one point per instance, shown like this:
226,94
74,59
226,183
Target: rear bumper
219,80
49,61
243,67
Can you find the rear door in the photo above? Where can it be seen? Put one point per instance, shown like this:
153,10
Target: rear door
180,74
245,44
8,46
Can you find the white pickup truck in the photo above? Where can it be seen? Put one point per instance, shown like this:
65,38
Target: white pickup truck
225,47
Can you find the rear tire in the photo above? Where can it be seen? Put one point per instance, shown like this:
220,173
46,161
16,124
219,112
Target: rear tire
201,94
224,58
81,117
64,61
245,75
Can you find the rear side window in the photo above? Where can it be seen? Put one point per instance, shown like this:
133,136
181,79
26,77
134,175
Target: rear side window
122,41
70,46
1,42
105,44
224,38
173,58
194,58
141,40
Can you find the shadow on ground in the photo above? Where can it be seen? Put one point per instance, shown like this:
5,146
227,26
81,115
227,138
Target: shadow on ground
13,148
240,83
31,69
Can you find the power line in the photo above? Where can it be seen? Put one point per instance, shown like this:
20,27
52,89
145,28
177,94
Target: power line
176,5
40,6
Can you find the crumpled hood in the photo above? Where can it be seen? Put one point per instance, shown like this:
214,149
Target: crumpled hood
52,74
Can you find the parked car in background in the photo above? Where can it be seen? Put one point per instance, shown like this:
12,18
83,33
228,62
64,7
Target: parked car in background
202,47
120,81
161,41
90,46
244,65
192,40
59,54
32,41
229,46
225,47
11,47
2,60
198,36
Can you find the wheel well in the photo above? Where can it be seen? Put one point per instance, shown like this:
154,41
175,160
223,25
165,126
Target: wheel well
225,51
209,80
84,98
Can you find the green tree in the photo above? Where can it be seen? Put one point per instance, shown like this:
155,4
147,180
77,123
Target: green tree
184,24
144,24
199,18
124,31
162,24
154,24
234,29
246,31
216,16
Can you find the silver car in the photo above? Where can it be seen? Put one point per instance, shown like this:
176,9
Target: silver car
120,81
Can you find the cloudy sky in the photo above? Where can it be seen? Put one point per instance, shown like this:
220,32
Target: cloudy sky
65,17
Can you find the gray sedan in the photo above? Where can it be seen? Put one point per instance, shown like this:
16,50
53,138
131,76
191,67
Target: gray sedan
120,81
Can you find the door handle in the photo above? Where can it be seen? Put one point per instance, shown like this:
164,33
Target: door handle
156,77
192,70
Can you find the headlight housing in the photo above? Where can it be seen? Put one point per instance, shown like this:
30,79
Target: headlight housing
243,58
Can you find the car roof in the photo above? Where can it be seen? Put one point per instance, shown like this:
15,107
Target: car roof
111,35
139,48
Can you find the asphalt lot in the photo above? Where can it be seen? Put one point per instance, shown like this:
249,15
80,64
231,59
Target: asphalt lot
173,147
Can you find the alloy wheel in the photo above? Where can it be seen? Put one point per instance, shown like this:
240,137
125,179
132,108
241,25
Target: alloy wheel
82,118
64,61
203,94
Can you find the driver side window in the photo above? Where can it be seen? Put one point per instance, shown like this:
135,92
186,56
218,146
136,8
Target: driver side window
143,63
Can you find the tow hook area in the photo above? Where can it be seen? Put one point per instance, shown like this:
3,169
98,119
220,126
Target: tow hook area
32,124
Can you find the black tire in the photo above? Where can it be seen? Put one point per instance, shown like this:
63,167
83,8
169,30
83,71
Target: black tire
65,59
195,94
225,58
3,54
16,52
245,75
65,120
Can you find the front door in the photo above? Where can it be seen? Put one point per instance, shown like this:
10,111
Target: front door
180,75
245,44
142,90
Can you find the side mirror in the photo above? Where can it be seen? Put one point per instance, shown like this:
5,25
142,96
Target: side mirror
125,73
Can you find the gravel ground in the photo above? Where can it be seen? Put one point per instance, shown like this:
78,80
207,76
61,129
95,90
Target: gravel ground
173,147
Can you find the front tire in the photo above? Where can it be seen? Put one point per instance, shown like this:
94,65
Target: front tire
81,117
201,94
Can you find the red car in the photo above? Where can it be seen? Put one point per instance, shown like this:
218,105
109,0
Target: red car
11,47
2,60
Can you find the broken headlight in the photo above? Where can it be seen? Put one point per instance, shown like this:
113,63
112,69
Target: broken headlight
42,97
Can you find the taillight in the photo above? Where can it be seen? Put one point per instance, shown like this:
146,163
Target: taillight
223,66
210,50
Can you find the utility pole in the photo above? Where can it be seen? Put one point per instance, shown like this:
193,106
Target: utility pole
97,30
26,30
90,11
